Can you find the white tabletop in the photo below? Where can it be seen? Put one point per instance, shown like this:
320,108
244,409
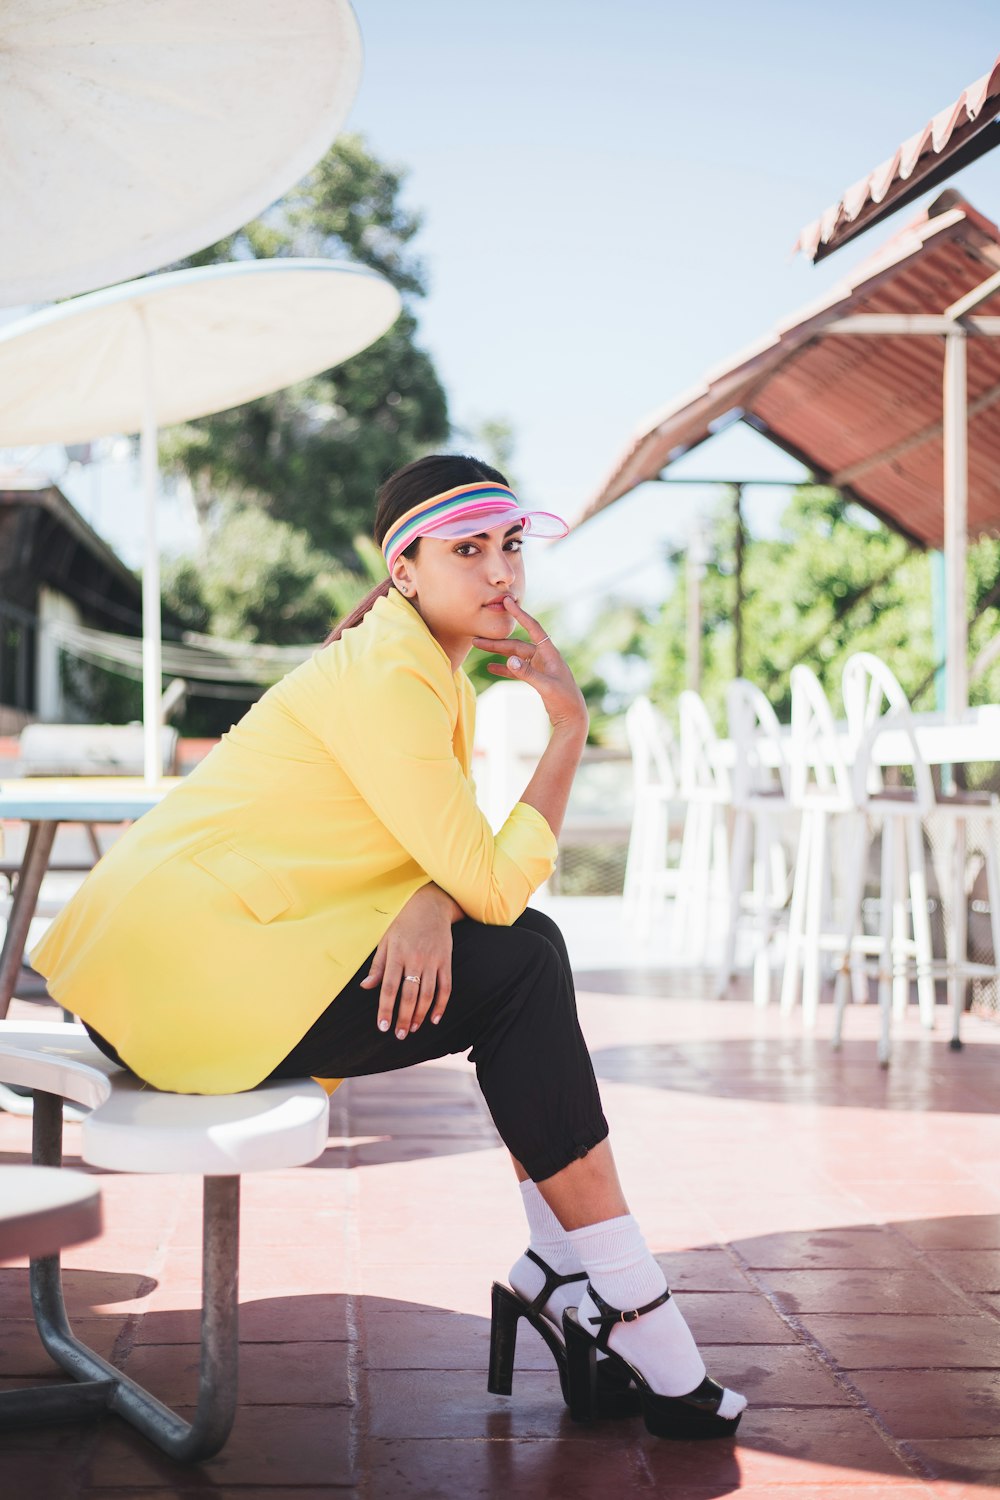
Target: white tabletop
975,737
941,740
81,799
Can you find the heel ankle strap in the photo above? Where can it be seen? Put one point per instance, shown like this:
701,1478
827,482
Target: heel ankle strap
552,1280
610,1316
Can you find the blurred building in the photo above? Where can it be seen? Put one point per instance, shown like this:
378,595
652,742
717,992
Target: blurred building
54,570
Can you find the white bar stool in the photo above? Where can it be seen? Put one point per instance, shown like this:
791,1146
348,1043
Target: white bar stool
875,703
649,877
704,861
963,805
761,804
820,790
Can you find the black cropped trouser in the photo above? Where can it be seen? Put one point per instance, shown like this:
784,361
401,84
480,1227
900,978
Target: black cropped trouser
512,1008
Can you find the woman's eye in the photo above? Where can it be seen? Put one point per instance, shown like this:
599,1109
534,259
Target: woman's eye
515,544
467,549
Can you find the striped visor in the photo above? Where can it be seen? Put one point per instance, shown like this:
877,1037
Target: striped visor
466,511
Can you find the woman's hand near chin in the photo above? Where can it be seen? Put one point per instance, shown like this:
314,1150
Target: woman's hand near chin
417,943
538,661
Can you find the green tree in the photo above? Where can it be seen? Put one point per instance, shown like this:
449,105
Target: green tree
310,457
492,439
262,580
833,582
984,608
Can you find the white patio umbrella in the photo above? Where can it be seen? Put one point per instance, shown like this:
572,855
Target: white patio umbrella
170,348
134,132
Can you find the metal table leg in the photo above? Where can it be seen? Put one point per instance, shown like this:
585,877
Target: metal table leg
102,1387
41,837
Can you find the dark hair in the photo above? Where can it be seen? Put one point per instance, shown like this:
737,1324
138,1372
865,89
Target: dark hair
432,475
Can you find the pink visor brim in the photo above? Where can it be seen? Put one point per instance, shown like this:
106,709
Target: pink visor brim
537,523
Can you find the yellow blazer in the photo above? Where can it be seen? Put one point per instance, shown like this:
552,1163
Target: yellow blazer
220,926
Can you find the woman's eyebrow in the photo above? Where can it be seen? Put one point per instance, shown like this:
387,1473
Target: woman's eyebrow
481,536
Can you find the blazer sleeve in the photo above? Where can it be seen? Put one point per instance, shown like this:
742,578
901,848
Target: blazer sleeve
393,736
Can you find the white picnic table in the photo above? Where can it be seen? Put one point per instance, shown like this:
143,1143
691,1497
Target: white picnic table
43,802
940,739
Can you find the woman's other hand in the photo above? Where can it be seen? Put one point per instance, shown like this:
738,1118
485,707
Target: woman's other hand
412,963
538,661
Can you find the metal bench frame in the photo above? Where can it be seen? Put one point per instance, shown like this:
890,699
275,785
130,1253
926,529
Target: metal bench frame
97,1386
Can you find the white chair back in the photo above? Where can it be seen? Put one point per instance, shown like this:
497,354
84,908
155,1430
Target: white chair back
512,730
875,703
817,766
653,748
702,777
761,766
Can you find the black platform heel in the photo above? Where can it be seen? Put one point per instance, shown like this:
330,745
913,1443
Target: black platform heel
614,1394
695,1415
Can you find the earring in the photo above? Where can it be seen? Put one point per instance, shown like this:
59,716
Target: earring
404,588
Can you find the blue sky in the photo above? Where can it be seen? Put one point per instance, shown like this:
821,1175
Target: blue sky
611,193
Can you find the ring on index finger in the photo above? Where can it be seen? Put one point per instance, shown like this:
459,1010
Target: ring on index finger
411,978
542,641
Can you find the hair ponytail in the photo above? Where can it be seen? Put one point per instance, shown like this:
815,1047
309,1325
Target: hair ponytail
359,611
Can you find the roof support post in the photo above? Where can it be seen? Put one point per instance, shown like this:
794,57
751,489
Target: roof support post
739,549
697,557
956,502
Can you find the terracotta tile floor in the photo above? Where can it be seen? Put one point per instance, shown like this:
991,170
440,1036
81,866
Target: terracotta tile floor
833,1231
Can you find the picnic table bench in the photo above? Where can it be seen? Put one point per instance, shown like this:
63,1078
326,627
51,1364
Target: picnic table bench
130,1127
43,1209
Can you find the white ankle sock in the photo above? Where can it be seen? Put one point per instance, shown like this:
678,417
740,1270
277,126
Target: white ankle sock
659,1344
549,1240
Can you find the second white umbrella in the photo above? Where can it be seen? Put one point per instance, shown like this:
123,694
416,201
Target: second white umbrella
171,348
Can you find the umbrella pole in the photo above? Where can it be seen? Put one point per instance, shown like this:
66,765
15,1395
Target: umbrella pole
956,520
151,669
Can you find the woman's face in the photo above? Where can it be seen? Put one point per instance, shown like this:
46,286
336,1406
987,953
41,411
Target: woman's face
458,585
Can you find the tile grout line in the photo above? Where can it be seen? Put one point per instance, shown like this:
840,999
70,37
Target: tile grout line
357,1370
973,1297
900,1447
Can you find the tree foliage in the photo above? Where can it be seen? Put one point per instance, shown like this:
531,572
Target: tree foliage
291,600
283,485
832,582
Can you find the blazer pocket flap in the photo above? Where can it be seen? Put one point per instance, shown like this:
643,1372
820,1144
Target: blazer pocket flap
256,887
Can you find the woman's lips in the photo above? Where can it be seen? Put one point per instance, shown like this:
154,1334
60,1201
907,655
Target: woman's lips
497,607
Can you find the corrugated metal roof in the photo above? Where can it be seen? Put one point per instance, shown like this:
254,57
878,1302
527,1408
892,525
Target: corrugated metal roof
950,140
862,412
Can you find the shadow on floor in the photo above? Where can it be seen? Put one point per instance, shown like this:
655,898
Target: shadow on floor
785,1070
409,1115
867,1351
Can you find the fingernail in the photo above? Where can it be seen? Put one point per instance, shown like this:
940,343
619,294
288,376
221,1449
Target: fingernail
515,663
383,1026
413,1029
435,1020
401,1034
